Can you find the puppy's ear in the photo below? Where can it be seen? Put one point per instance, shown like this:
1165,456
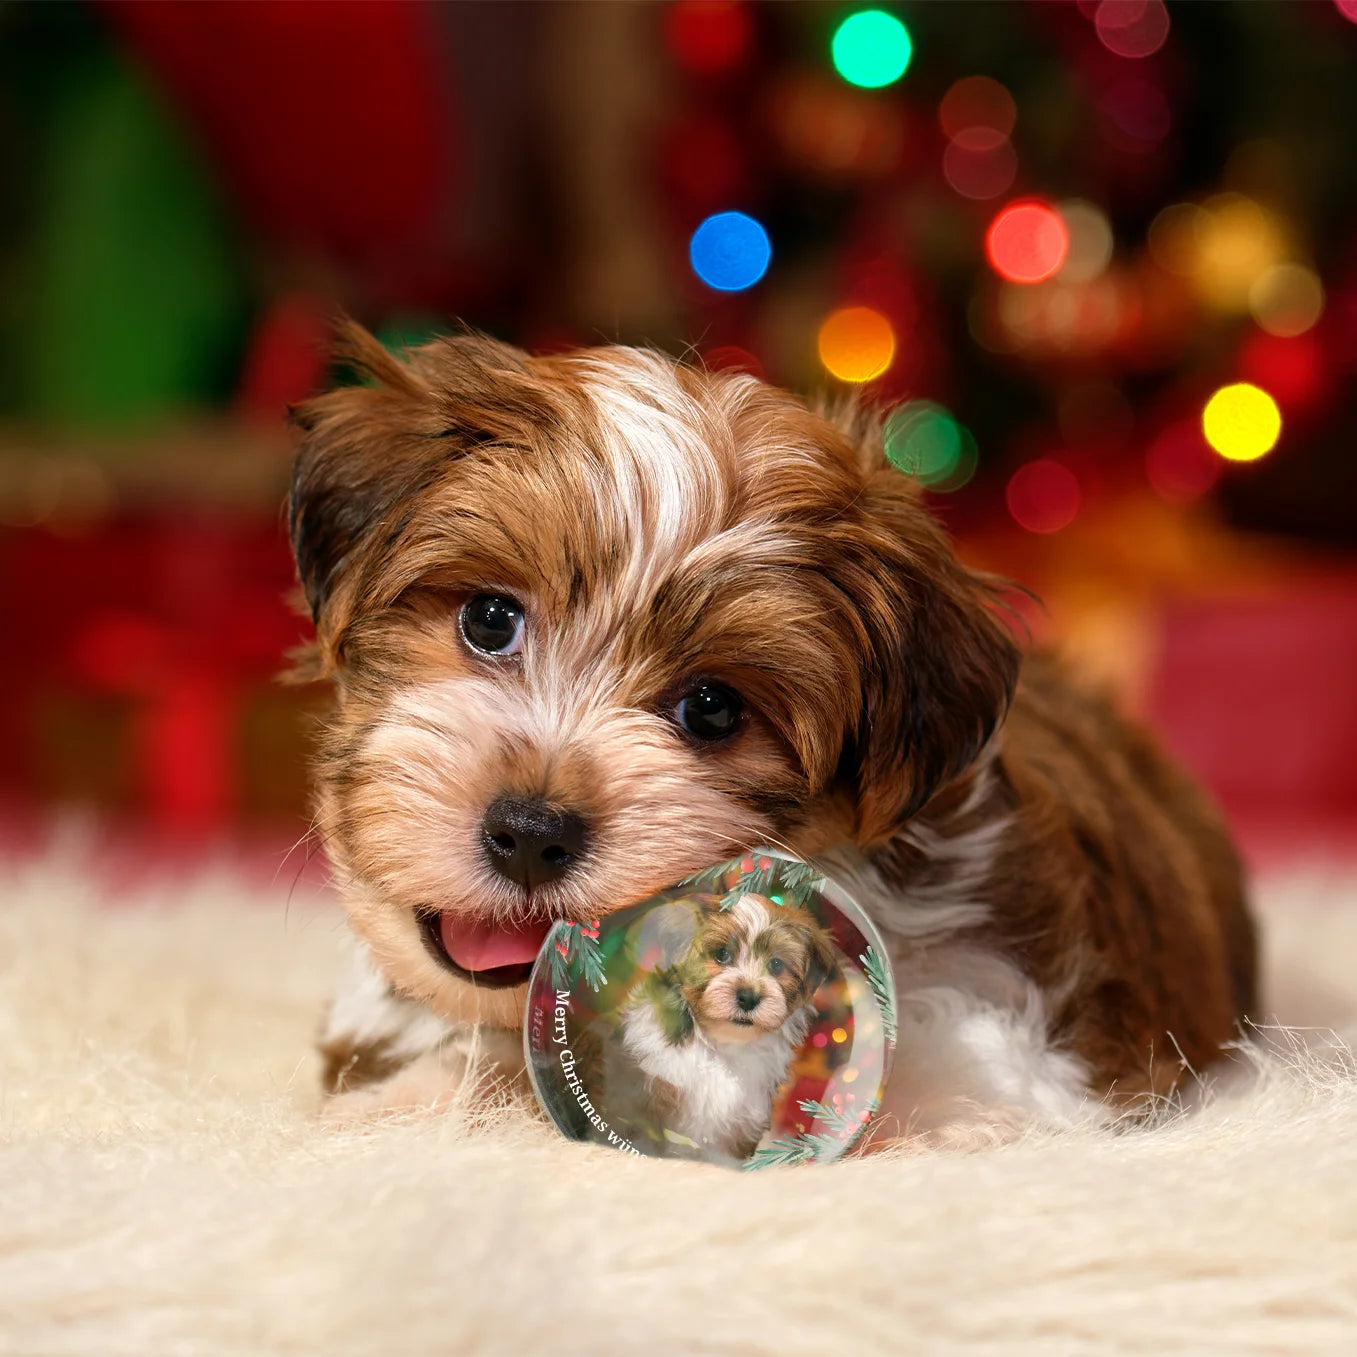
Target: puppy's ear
822,960
937,666
365,450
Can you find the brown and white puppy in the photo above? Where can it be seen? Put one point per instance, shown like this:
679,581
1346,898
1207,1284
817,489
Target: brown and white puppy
755,968
712,1038
597,620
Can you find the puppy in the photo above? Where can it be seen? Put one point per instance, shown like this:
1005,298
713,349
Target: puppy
597,620
713,1037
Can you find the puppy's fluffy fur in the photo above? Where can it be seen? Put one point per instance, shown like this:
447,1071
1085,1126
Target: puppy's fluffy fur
1064,910
713,1040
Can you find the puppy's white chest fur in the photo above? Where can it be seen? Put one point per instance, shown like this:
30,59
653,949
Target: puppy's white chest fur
725,1092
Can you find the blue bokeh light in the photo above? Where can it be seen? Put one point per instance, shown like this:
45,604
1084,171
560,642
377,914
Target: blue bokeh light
730,251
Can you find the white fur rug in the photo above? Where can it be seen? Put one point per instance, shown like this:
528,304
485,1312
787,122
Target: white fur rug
166,1188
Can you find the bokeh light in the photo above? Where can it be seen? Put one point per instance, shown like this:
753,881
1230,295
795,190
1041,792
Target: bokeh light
1348,9
732,358
1137,108
1060,317
1132,28
1287,299
1043,496
968,459
980,163
835,130
730,251
871,48
856,344
1242,422
1027,242
1236,241
977,101
1173,237
1090,241
1180,466
923,440
1291,369
709,37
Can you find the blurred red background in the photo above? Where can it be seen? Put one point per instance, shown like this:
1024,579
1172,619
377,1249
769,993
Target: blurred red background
1053,232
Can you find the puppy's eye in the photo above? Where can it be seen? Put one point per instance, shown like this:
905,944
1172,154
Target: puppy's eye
492,624
776,965
710,711
721,956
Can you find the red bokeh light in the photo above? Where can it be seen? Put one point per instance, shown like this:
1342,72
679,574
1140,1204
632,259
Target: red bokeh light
1181,465
979,162
1290,370
1043,496
732,358
709,37
1027,241
1138,108
1132,28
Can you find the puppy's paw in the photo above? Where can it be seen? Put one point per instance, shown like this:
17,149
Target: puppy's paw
469,1071
429,1084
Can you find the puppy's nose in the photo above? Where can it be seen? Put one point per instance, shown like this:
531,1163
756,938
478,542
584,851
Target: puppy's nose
531,842
748,999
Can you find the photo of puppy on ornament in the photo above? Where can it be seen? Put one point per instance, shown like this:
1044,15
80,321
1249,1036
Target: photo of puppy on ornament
736,1025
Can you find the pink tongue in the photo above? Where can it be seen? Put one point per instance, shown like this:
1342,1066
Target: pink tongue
484,947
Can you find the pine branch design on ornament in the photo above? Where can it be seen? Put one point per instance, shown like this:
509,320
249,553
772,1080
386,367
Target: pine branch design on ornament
878,977
842,1129
784,1150
800,882
575,954
710,879
759,873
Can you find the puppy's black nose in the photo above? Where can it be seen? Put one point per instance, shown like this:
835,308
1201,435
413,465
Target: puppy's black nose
748,999
530,842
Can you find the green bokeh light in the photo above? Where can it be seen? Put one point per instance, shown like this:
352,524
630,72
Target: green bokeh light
924,441
871,48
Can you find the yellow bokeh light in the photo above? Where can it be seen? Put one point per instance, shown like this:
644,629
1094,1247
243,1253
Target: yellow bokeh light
839,1035
1242,422
856,344
1287,300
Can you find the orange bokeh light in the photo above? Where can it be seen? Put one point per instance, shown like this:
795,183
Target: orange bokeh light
856,343
1027,242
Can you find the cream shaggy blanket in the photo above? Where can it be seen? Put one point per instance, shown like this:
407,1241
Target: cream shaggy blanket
167,1188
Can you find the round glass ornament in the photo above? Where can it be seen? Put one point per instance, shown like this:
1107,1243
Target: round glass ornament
745,1016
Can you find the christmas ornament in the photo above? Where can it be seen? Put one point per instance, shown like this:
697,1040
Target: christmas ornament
745,1016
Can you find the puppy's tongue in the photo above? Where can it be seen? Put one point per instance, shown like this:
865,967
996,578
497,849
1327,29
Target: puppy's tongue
477,946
